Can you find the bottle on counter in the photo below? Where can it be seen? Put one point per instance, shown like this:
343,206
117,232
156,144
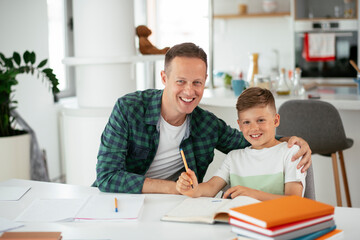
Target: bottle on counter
282,88
298,89
253,69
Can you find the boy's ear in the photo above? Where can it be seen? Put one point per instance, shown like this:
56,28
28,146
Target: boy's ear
277,120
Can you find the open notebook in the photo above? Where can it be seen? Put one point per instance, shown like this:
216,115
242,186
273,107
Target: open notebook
94,208
206,210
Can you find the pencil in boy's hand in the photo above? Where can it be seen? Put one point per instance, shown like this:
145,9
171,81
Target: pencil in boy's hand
116,205
185,163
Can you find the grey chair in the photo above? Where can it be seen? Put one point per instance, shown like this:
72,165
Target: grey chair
309,184
319,123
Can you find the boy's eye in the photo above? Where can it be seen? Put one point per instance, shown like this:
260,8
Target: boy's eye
245,122
261,120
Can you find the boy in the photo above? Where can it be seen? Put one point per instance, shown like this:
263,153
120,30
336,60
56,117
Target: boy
264,170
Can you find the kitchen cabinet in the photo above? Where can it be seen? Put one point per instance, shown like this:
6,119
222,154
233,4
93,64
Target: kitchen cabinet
253,15
325,9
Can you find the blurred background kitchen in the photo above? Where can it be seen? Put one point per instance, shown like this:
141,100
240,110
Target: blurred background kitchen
93,49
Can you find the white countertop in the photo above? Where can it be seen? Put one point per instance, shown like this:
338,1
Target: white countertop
342,98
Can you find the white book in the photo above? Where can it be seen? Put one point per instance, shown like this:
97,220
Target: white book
95,208
206,210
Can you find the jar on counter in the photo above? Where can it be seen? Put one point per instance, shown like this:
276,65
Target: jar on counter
262,81
253,68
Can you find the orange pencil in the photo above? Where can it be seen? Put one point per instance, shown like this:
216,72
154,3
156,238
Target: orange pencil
185,163
116,205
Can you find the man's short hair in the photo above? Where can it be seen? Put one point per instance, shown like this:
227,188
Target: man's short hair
255,97
187,49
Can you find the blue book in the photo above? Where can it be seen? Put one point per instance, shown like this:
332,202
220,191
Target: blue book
317,234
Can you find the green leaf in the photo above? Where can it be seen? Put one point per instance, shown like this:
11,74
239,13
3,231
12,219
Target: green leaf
42,63
17,58
26,56
2,57
47,70
32,57
9,63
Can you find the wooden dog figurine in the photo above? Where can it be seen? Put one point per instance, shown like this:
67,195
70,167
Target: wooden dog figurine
146,47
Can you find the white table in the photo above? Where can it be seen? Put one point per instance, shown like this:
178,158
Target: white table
148,226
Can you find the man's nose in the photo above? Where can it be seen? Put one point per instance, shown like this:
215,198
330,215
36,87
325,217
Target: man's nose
189,89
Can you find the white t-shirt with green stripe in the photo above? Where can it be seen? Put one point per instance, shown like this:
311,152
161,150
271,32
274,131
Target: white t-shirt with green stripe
266,169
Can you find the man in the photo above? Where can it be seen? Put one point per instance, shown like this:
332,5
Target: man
139,151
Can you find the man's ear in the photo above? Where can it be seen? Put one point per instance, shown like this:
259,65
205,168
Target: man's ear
163,77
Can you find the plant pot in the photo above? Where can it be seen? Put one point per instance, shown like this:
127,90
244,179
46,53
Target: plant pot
15,157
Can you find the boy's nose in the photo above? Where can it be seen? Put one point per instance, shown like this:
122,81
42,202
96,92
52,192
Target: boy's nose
254,126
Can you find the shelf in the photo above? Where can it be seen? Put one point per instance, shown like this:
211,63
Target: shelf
74,61
254,15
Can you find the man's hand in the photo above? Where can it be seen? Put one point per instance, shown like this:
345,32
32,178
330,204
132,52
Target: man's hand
304,152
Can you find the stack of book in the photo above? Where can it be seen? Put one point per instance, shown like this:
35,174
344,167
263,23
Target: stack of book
289,217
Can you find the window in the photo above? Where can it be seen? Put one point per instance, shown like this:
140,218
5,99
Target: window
60,43
173,22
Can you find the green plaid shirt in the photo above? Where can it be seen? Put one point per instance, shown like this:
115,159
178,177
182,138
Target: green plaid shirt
131,138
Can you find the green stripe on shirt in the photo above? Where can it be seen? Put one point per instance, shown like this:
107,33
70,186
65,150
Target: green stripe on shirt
270,183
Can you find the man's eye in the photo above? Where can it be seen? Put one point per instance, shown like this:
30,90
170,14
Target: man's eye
180,81
198,83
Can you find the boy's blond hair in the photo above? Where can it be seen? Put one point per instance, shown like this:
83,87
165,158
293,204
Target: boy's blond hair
255,97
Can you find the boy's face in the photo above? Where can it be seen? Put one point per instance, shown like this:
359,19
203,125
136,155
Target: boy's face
258,124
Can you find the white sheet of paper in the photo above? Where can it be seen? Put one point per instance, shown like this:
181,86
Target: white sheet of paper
51,210
102,207
7,225
12,193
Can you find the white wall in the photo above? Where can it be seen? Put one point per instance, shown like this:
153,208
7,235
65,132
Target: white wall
23,26
236,38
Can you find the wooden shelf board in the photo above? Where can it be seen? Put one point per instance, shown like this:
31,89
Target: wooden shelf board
254,15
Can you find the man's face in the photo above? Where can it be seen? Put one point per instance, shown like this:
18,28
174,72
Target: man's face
184,82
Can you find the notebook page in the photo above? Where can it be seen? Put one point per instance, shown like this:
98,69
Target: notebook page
197,208
102,207
12,193
51,210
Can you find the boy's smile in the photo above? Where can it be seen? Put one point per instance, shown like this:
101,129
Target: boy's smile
258,124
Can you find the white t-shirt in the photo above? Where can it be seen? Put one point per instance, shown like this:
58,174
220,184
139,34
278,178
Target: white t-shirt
266,169
168,163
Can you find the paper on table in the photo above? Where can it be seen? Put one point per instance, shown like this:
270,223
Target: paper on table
102,207
12,193
51,210
98,207
7,225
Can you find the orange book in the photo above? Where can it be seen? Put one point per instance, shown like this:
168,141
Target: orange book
280,211
31,236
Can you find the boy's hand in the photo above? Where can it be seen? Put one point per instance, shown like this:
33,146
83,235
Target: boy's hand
233,192
304,152
183,184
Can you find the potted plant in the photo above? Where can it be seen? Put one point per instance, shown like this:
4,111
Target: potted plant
10,68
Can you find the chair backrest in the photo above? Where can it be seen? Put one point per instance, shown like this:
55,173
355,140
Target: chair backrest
309,184
317,122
